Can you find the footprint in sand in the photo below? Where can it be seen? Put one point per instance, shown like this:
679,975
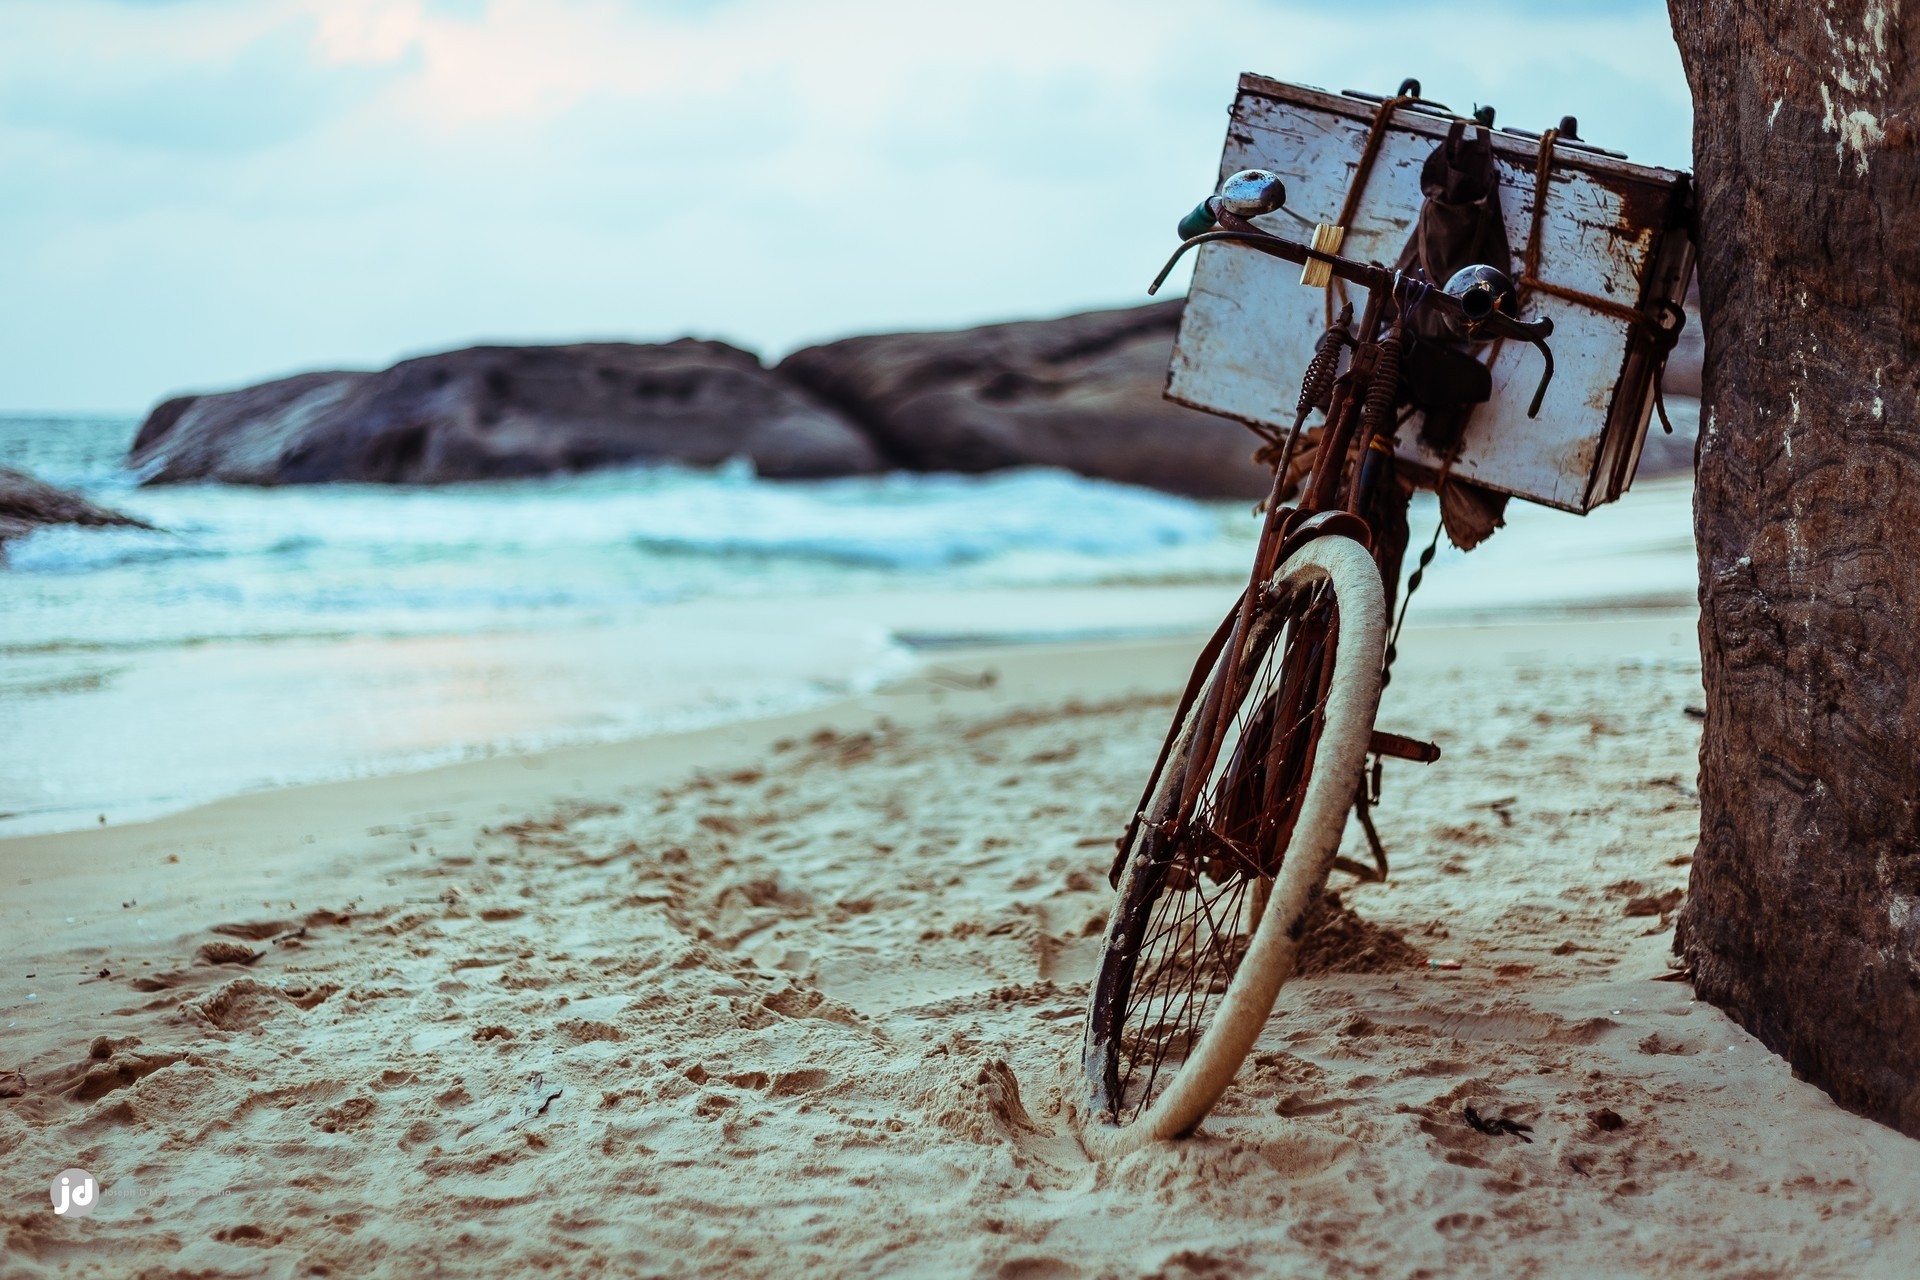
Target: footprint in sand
247,1002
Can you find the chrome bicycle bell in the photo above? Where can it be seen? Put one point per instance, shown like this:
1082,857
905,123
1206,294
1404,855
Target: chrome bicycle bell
1252,192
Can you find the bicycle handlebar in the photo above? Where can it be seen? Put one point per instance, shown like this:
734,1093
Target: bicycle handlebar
1477,316
1474,296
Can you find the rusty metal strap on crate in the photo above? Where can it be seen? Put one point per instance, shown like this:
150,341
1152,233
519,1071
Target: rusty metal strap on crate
1542,171
1663,336
1357,185
1376,135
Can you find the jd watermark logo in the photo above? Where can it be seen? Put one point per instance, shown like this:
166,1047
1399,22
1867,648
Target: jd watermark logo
74,1193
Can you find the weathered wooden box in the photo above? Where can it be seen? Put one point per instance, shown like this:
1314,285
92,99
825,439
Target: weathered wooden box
1612,230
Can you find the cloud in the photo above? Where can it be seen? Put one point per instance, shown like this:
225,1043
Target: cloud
204,192
269,92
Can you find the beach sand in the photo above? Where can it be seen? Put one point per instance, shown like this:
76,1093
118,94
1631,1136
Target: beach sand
804,995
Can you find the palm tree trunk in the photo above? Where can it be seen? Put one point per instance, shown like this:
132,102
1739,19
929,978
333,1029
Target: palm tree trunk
1803,920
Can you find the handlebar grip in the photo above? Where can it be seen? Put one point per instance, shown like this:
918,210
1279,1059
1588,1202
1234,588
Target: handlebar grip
1199,221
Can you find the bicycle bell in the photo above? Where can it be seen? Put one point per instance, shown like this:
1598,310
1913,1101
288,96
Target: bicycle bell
1482,290
1252,192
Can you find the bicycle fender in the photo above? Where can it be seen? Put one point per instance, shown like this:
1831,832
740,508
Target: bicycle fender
1321,524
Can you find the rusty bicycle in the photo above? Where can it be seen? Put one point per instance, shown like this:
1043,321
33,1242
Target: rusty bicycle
1241,818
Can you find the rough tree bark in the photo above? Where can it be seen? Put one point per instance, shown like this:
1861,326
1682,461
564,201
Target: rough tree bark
1804,916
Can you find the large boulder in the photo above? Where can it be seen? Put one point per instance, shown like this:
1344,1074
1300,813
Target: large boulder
488,412
1083,393
28,503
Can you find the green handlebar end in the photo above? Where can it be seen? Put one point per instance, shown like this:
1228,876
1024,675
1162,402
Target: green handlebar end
1198,222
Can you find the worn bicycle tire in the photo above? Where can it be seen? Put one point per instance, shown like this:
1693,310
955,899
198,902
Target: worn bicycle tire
1348,709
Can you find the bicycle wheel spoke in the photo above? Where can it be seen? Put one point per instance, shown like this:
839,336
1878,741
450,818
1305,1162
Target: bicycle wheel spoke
1160,974
1166,969
1207,957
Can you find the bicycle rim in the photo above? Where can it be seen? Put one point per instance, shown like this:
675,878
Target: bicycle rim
1198,944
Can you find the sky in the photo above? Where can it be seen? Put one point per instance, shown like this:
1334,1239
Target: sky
198,194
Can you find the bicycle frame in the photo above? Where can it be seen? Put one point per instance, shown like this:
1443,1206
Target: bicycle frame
1361,407
1290,682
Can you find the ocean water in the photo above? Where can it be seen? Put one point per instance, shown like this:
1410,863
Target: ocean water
278,635
335,560
273,636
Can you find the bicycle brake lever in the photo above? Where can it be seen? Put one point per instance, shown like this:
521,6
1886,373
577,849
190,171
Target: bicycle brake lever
1546,374
1534,333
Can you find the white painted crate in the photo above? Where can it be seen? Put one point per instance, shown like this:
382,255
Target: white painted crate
1613,229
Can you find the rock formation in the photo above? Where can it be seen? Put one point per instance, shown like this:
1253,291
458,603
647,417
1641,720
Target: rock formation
488,412
27,503
1083,393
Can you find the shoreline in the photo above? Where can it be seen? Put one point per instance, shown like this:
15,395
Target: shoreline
423,702
947,672
453,801
198,711
890,638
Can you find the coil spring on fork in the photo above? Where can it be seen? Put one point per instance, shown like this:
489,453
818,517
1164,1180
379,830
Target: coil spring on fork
1316,389
1377,414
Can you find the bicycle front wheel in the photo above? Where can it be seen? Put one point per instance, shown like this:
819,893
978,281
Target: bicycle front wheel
1233,849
